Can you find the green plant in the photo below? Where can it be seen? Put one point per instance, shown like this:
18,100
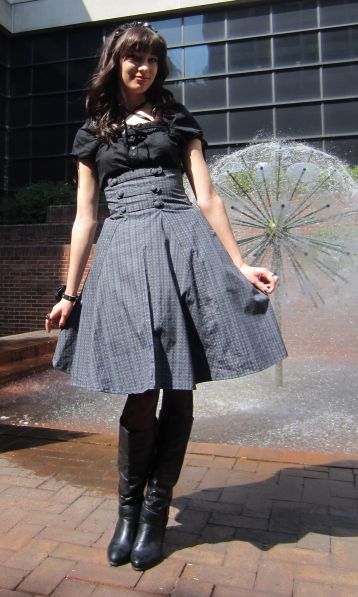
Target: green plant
354,171
28,204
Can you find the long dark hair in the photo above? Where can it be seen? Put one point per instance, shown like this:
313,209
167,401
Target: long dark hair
103,103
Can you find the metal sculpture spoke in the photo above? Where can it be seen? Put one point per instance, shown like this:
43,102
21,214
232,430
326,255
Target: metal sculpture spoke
294,207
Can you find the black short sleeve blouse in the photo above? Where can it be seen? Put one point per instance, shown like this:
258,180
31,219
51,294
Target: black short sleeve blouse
144,145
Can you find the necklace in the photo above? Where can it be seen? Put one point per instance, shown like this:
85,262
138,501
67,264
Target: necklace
134,110
134,113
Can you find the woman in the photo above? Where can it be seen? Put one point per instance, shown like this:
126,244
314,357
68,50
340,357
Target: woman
169,301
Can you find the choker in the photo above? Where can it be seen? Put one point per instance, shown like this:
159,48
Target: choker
128,111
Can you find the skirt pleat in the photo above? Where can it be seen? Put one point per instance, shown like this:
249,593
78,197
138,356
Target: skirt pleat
165,307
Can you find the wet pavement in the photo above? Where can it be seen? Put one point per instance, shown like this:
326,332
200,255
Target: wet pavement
314,410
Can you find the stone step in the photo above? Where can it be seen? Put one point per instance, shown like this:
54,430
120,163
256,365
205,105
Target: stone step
17,370
20,347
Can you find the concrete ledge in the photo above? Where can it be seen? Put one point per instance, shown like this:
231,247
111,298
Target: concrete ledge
34,15
30,344
21,354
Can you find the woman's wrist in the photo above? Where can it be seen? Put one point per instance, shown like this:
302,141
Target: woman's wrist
240,264
72,297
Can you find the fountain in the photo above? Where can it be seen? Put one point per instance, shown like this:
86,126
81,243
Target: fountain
295,211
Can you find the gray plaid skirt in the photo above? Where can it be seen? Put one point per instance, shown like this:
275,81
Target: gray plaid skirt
163,306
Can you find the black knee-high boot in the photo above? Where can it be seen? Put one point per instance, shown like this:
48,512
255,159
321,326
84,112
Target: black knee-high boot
134,460
173,436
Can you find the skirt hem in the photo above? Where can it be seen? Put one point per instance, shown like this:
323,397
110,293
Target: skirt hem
219,375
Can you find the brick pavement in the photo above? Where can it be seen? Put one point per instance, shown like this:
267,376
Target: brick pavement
244,522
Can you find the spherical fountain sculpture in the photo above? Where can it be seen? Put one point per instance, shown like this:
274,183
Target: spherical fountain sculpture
295,210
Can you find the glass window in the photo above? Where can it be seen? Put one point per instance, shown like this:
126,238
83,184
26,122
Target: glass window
204,27
341,80
176,87
204,60
19,143
51,77
79,73
19,173
245,21
5,45
3,103
49,47
290,16
170,29
291,85
250,54
340,44
341,117
3,79
298,48
246,125
76,106
249,90
338,12
346,149
47,141
21,51
49,109
19,112
205,93
298,121
20,81
316,143
72,130
212,153
84,42
48,169
175,63
214,126
2,140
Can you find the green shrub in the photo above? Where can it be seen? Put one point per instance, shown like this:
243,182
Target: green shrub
354,171
28,204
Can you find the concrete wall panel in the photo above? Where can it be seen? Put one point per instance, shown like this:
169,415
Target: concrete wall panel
5,15
33,15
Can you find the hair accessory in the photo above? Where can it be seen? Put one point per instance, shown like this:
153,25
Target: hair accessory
131,25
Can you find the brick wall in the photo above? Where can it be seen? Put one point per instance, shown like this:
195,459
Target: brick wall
33,264
29,276
65,214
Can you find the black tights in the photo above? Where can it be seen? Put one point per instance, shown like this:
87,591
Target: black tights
139,411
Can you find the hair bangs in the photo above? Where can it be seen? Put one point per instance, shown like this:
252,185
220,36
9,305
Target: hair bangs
143,39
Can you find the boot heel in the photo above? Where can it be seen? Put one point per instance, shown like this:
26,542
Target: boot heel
148,546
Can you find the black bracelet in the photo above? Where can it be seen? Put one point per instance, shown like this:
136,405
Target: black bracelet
70,297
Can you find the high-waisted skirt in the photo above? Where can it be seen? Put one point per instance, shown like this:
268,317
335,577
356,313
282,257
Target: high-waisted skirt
164,306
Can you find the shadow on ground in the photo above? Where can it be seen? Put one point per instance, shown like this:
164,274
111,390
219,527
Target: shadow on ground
14,438
218,499
305,505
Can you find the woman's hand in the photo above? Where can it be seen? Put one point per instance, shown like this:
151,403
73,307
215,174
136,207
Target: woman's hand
59,315
260,277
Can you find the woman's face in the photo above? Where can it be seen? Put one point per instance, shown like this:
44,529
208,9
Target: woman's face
138,72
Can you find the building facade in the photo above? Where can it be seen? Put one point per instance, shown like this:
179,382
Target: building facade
247,70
